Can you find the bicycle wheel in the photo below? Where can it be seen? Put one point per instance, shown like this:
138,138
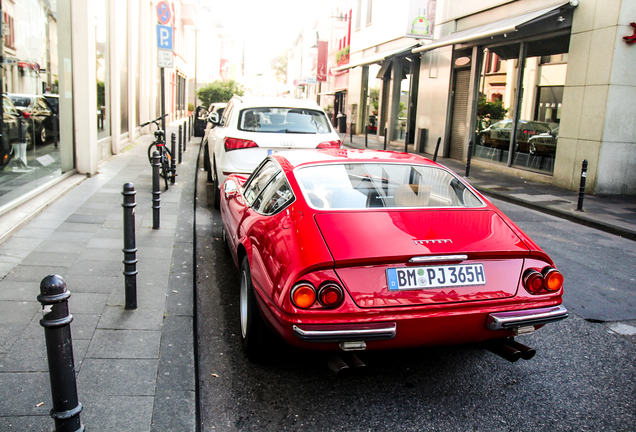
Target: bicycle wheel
151,149
165,170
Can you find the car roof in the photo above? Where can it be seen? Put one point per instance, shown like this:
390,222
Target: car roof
296,158
281,102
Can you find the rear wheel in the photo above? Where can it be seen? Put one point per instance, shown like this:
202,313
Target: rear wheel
43,135
215,186
254,332
151,149
165,171
206,163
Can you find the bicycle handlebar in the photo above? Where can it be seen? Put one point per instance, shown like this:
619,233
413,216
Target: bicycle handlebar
155,121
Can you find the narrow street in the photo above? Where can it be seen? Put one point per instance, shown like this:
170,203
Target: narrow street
582,378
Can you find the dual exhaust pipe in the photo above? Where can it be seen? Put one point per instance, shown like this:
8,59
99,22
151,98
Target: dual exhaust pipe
510,349
342,368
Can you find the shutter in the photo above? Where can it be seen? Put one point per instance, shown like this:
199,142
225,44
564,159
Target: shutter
460,111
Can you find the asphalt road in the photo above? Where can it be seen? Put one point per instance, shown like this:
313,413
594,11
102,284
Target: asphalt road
582,378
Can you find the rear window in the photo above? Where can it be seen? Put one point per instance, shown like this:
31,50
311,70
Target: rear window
284,120
359,186
21,101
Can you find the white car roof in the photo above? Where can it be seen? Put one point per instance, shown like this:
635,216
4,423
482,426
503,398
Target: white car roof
279,102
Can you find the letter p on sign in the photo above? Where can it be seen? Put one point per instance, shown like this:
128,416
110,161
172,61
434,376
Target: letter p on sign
164,37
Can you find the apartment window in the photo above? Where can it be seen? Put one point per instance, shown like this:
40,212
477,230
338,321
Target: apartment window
369,11
358,14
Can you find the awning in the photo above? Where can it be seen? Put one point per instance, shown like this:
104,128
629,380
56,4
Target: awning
376,58
506,26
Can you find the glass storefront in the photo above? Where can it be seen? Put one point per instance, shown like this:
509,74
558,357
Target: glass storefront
31,149
520,127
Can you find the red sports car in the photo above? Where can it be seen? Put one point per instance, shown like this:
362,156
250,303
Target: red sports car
354,250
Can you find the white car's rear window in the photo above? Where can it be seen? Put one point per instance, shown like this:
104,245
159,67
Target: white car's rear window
360,185
284,120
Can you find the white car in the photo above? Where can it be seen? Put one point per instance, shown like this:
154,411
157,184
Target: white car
253,128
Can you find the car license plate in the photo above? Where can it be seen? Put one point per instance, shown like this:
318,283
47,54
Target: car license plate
406,278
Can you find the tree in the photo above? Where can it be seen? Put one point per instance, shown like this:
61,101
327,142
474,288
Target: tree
279,65
219,91
488,111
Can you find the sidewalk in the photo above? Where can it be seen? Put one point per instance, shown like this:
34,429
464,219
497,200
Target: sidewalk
135,369
614,214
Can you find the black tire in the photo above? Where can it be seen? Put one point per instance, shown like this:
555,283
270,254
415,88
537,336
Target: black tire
206,163
43,135
151,149
254,331
28,138
215,187
226,245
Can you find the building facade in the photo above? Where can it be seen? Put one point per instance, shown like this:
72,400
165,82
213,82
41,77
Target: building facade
81,77
537,85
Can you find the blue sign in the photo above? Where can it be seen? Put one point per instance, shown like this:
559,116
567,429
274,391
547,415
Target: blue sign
163,12
164,37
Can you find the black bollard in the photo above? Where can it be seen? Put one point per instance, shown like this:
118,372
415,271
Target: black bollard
351,133
180,152
384,138
579,206
59,352
173,161
156,191
189,118
185,146
180,140
470,153
130,246
366,136
406,143
439,140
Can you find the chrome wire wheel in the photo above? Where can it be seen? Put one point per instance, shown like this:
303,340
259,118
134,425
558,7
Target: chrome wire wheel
43,135
243,303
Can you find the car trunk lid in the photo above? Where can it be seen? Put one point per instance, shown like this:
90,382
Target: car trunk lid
366,244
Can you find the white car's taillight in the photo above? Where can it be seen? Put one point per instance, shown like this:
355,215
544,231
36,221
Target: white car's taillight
236,143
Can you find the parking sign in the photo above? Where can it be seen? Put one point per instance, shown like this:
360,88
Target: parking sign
164,37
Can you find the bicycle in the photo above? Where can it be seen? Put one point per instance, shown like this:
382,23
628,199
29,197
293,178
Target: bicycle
165,156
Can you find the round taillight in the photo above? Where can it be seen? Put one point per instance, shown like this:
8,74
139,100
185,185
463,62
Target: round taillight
533,281
553,279
303,295
330,296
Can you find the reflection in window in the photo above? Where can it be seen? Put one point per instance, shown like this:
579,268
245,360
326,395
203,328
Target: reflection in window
102,48
536,124
122,48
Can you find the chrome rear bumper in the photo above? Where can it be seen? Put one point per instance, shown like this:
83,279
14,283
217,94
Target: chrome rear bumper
524,318
345,332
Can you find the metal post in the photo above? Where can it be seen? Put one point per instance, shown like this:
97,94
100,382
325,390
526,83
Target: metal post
406,142
163,101
130,246
366,136
189,127
173,160
59,352
579,206
180,140
184,138
439,140
156,191
180,151
470,153
384,138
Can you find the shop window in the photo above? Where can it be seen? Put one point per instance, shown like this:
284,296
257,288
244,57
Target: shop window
528,138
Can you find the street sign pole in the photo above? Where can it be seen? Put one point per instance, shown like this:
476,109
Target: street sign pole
163,102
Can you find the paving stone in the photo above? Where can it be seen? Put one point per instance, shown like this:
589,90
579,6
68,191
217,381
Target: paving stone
59,246
35,423
107,243
83,267
147,295
14,243
32,273
117,413
16,316
86,219
156,253
142,318
87,303
77,227
19,291
174,411
176,368
27,390
102,254
29,355
61,259
109,234
118,377
82,328
37,233
90,284
125,344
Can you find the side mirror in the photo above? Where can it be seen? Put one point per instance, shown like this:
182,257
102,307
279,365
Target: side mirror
214,118
230,188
